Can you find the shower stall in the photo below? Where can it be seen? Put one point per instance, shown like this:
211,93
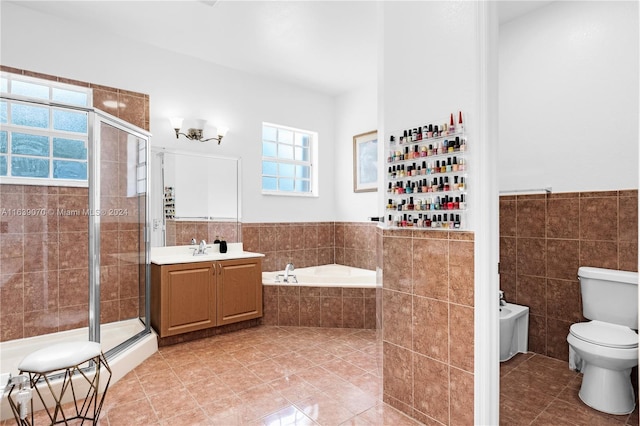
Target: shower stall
74,234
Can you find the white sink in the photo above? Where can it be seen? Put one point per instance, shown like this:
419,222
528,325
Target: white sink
185,254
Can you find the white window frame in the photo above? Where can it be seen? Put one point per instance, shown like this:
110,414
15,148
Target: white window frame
312,163
50,132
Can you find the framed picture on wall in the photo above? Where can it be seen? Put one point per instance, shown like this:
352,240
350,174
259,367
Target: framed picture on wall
365,162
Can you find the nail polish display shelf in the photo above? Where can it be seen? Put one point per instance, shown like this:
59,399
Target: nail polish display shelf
397,147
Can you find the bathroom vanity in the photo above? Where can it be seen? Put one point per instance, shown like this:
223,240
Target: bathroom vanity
191,293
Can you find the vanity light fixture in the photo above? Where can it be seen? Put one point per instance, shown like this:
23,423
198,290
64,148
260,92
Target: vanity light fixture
195,133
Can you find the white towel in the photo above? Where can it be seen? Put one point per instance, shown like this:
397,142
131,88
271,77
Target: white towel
575,361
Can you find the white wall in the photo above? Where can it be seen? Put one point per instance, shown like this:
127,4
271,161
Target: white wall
569,98
181,85
355,113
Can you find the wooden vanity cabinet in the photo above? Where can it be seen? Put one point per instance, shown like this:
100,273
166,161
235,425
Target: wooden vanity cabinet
239,290
187,297
183,297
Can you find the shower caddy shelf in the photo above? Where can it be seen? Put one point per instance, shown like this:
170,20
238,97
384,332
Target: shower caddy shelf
395,217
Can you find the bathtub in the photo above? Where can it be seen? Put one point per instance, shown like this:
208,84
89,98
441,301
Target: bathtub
333,275
335,296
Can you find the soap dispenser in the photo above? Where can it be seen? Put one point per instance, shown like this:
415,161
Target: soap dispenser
223,246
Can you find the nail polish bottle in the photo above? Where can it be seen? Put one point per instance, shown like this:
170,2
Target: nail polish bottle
425,131
461,165
456,144
463,145
403,138
456,203
462,185
410,205
430,131
392,140
454,164
450,203
456,223
446,184
449,166
463,204
441,184
436,131
424,169
452,126
460,127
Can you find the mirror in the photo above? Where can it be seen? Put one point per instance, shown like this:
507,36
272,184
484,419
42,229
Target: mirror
194,189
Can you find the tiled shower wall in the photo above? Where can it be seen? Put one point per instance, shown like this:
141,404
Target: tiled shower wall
44,259
428,324
544,239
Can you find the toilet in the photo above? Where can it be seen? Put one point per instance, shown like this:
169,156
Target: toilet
605,349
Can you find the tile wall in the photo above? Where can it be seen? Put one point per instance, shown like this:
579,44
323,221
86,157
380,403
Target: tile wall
312,243
44,258
181,232
544,239
428,324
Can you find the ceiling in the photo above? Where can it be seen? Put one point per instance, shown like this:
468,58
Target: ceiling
327,46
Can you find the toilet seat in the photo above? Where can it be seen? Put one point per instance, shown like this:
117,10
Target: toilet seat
605,334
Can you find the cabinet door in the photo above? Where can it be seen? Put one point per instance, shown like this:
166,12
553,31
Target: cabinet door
187,298
239,290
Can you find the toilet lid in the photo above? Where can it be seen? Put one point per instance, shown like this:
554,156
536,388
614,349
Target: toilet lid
605,334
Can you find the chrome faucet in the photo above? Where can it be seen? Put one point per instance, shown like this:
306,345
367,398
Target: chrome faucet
502,301
202,248
287,270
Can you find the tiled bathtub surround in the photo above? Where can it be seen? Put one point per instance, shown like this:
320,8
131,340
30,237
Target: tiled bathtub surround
312,243
428,324
292,305
544,239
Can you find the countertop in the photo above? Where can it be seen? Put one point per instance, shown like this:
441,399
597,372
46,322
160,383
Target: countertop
184,254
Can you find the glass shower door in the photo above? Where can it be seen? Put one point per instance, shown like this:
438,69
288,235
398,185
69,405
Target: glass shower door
121,217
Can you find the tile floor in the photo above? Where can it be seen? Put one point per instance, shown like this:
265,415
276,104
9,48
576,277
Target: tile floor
281,376
538,390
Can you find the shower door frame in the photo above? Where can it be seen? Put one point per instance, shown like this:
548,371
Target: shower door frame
97,117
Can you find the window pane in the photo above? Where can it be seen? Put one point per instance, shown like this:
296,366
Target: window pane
286,170
3,165
302,139
70,121
285,136
269,133
4,85
302,186
3,112
269,183
3,142
285,151
69,148
22,143
302,154
27,115
33,90
69,169
29,167
269,149
69,96
302,171
286,184
269,168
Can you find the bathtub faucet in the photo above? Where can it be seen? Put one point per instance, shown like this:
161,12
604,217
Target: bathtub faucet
502,301
287,270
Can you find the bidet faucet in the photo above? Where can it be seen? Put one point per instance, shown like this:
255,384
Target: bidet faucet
502,301
287,269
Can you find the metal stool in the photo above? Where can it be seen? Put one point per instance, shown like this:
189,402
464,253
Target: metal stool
65,360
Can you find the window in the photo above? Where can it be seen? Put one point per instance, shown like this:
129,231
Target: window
287,155
40,143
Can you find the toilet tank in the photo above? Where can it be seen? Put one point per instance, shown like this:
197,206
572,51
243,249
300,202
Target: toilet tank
609,295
